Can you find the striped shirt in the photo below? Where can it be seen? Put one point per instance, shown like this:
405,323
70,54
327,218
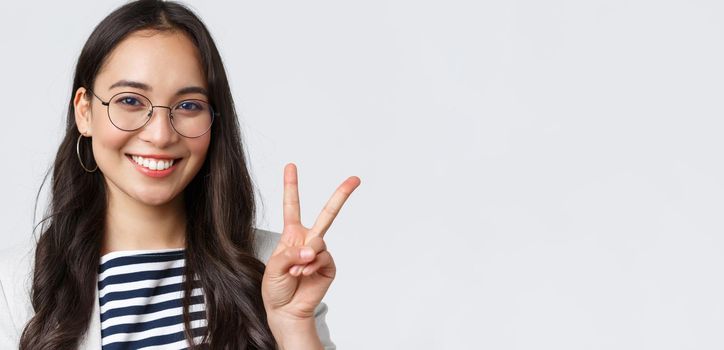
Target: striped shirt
140,294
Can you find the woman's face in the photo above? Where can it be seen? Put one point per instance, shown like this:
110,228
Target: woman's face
163,63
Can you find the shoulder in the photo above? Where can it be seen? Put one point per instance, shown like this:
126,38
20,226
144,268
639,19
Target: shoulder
264,243
16,266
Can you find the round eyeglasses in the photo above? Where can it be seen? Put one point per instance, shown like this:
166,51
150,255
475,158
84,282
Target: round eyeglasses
130,111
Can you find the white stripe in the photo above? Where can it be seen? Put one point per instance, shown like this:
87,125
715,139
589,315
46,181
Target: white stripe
150,317
181,344
132,268
141,301
122,287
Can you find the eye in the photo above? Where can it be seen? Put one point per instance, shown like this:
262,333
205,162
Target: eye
129,101
190,106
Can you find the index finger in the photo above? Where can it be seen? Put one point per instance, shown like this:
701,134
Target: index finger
333,206
291,196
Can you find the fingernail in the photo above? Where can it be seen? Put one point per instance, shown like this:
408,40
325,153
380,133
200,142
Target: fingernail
306,253
295,270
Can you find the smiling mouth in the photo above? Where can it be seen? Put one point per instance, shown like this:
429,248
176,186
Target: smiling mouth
156,164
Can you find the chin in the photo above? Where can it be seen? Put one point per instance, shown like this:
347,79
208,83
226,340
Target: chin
154,199
155,202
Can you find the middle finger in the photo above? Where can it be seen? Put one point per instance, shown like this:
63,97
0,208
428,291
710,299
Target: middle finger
333,206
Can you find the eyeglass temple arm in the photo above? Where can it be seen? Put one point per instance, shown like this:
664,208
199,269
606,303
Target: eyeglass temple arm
99,99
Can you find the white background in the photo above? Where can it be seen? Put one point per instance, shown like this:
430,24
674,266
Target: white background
535,175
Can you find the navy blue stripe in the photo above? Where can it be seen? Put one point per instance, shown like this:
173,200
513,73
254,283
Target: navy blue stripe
144,326
140,276
149,308
145,292
141,259
153,341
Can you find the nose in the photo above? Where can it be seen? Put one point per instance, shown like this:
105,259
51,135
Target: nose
158,130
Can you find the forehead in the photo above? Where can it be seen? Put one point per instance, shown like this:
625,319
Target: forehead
165,61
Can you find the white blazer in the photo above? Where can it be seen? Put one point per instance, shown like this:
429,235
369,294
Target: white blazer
16,309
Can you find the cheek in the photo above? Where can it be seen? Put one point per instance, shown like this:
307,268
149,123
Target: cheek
108,141
199,147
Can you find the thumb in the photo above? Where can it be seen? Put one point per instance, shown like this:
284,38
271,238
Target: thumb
280,264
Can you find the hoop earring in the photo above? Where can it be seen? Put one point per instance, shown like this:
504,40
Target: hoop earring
77,151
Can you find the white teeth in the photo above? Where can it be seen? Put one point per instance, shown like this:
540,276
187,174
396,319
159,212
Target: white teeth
151,163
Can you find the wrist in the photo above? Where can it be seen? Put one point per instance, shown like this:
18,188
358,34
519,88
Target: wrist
294,333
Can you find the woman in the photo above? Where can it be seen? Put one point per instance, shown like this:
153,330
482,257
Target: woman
149,240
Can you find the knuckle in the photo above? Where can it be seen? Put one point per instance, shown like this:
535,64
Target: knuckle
325,256
331,210
290,253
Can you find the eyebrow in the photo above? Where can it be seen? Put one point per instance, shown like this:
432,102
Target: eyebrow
146,87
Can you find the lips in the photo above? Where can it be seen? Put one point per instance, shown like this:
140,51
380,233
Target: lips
154,165
154,156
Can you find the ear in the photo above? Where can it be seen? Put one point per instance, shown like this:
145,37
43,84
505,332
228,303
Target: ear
82,108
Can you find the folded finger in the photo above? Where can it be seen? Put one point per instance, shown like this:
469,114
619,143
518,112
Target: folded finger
318,246
280,263
323,264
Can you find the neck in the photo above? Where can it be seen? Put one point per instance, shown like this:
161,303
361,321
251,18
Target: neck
132,225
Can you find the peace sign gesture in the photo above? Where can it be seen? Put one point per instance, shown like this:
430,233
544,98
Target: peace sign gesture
301,269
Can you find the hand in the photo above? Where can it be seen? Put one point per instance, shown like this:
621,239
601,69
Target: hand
300,270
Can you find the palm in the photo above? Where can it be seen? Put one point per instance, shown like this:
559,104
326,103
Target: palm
295,287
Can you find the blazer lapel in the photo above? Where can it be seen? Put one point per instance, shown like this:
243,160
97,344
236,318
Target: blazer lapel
92,338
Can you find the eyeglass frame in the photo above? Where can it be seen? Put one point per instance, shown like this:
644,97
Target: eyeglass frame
170,112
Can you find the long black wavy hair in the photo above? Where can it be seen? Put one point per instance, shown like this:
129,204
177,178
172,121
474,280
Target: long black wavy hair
219,233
